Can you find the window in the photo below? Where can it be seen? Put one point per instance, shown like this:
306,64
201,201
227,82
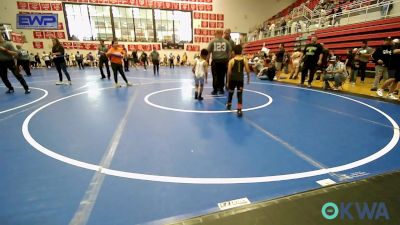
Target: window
143,24
173,26
94,22
183,26
100,22
123,23
78,22
164,25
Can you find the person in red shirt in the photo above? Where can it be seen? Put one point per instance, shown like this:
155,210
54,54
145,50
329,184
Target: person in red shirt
116,55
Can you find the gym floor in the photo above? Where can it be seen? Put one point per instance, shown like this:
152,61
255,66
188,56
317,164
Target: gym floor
150,154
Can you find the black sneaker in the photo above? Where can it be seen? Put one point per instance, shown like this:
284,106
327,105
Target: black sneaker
28,91
374,89
228,106
214,93
10,91
239,113
200,98
102,78
221,92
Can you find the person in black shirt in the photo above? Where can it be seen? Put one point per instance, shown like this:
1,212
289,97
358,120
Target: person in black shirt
312,56
321,69
382,57
279,60
103,60
59,61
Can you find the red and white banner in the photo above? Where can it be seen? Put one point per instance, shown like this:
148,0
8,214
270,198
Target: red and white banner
220,16
204,39
60,35
38,34
83,1
103,1
113,2
45,6
204,24
213,17
204,32
197,31
197,15
208,1
200,7
22,5
60,26
209,8
93,1
192,7
56,6
220,24
168,5
193,48
204,16
17,37
38,45
212,24
49,34
34,6
184,6
211,32
197,39
123,2
143,3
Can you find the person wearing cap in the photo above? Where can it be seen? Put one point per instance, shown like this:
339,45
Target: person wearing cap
7,54
336,71
382,58
220,49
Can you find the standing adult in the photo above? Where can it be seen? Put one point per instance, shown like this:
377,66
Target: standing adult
79,60
144,59
279,60
171,58
312,57
59,61
155,59
23,60
220,50
116,55
227,36
364,53
7,53
103,60
382,58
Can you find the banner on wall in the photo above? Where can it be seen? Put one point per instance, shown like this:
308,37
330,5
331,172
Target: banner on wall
168,45
37,21
17,37
38,34
38,45
193,48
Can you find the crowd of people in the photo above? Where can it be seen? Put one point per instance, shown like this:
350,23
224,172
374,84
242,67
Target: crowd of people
316,59
325,13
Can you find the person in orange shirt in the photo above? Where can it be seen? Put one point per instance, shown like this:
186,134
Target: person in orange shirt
116,55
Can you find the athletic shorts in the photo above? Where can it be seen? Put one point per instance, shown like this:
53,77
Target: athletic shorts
235,84
199,81
278,66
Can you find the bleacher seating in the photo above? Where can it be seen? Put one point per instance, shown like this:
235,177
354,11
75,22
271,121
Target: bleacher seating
339,39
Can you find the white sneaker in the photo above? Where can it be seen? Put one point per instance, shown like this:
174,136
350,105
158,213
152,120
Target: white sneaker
379,92
59,83
128,84
117,85
68,83
392,96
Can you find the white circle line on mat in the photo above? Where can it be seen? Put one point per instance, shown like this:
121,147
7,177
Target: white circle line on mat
29,103
221,180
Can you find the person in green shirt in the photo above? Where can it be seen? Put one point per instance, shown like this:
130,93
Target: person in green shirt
155,59
7,54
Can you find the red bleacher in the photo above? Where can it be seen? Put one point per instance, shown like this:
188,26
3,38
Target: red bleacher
339,39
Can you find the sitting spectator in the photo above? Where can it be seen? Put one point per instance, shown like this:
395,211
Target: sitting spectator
268,72
257,65
335,72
